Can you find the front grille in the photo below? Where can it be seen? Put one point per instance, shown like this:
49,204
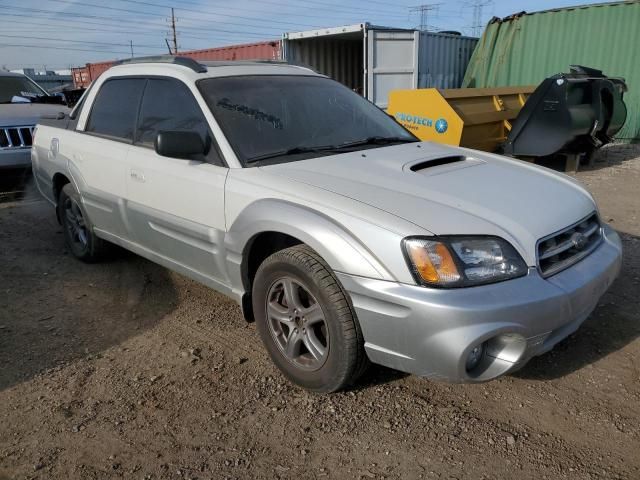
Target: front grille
567,247
16,137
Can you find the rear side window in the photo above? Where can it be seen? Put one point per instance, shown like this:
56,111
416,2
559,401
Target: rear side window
114,110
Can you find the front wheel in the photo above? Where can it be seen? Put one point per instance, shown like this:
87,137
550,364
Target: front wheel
78,230
306,321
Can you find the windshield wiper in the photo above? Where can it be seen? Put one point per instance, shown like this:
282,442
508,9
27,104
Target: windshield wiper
333,148
379,141
293,151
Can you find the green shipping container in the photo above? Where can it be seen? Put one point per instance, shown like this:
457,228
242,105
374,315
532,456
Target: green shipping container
526,48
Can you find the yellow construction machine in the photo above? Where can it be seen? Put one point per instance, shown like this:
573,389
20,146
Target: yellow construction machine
568,115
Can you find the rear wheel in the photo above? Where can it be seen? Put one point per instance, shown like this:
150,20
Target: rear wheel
306,321
78,230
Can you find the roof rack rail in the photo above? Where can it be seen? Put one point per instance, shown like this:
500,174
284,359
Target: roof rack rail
172,59
267,61
246,61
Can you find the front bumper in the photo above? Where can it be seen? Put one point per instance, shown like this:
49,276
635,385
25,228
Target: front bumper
15,158
430,332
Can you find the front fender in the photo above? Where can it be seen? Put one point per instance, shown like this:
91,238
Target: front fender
333,242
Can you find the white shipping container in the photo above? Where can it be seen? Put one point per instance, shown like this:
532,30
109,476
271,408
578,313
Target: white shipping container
373,60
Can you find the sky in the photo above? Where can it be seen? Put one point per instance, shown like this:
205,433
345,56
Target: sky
59,34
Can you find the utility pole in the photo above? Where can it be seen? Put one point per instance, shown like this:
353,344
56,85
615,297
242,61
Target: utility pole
173,28
131,43
424,11
477,26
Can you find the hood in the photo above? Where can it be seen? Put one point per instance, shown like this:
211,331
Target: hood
452,191
12,114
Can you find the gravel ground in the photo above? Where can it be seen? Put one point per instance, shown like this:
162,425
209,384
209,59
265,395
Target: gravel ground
127,370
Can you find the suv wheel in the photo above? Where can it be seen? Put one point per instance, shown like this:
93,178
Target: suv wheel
307,322
78,230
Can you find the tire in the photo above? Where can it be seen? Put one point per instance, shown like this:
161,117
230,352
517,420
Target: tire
77,227
306,321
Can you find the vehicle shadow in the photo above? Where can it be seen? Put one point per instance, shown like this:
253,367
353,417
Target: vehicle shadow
55,309
377,375
613,324
14,183
612,155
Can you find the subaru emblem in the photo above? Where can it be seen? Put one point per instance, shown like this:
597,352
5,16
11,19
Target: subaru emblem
578,240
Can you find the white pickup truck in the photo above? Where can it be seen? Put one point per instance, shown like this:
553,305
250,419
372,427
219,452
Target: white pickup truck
345,238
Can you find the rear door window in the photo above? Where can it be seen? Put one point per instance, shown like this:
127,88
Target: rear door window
115,108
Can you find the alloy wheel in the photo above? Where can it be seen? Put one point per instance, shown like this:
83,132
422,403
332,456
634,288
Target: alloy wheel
297,323
75,222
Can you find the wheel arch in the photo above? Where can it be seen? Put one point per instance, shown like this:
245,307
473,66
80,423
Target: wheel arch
270,225
58,182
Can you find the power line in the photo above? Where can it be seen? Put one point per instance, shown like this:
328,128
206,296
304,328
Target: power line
333,6
183,17
57,25
117,22
147,14
74,27
50,47
137,23
164,6
75,15
76,41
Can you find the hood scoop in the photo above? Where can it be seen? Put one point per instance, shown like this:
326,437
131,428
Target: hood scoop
438,165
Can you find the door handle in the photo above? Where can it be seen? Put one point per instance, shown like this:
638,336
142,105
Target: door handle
137,176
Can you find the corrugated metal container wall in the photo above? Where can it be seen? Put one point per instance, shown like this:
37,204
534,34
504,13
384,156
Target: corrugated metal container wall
250,51
341,59
443,59
526,49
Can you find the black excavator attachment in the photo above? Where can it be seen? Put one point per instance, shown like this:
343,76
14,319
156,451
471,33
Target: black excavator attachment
570,114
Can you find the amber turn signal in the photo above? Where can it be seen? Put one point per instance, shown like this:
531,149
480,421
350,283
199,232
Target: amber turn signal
432,261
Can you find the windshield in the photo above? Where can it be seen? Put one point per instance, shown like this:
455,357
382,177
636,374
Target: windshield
279,118
18,86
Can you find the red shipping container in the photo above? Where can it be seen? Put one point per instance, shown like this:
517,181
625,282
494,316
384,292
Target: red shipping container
249,51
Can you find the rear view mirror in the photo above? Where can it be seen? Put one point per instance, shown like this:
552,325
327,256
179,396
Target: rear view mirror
177,144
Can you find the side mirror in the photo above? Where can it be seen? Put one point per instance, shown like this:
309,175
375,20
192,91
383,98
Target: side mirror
177,144
54,116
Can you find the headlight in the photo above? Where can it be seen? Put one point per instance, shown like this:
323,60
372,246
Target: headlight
462,261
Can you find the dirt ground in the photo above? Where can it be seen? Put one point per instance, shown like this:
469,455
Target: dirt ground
126,370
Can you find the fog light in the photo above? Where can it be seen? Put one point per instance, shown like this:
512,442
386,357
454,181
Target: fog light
475,355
